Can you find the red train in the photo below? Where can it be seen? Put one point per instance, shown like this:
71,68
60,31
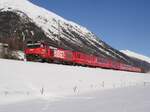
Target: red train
42,52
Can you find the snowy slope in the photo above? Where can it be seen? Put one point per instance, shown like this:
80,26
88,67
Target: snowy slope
34,12
43,18
136,55
21,81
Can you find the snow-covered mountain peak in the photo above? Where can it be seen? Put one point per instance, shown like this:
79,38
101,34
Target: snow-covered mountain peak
38,14
25,6
136,55
54,25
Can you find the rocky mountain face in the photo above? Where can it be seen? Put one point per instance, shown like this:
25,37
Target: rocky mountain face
20,21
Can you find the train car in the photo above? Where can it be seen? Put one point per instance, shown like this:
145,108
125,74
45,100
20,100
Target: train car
124,67
129,68
115,65
92,61
103,62
63,55
79,58
83,59
38,52
136,69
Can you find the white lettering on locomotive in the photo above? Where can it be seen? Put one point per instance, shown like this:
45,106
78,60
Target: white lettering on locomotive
59,54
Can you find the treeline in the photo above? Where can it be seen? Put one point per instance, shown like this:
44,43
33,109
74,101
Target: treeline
13,43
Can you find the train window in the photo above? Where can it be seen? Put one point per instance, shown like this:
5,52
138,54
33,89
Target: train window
102,60
69,55
78,55
33,46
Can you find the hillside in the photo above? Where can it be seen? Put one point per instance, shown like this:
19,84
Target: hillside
136,55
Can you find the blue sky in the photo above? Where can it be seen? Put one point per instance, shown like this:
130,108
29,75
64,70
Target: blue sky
123,24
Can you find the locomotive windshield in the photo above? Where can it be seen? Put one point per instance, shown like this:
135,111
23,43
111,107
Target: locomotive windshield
36,45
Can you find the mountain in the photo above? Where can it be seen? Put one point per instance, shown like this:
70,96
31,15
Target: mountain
20,18
21,21
136,55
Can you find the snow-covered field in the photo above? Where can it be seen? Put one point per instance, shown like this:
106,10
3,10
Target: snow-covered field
132,99
43,85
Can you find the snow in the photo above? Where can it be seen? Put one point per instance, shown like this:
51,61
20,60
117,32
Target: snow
131,99
42,17
21,81
136,55
19,54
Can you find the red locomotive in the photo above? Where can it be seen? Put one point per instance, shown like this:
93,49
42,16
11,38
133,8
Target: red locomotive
40,51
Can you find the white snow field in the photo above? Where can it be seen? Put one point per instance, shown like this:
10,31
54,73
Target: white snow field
132,99
43,87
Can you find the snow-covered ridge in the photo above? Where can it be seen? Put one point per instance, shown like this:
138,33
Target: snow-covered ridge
136,55
42,17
